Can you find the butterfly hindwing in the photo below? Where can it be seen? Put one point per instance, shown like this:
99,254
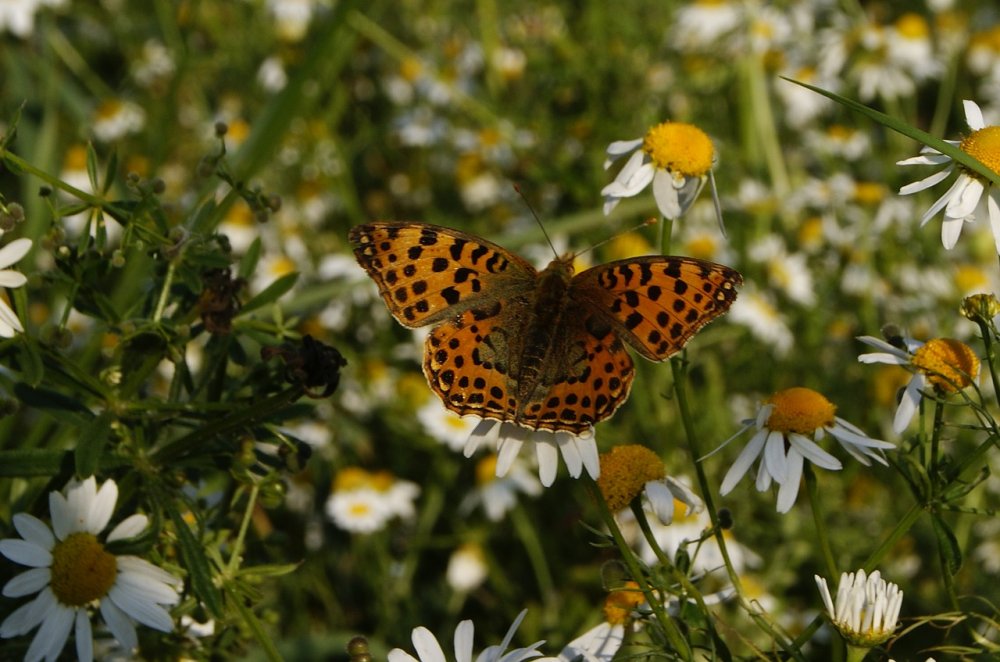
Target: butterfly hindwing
657,303
426,273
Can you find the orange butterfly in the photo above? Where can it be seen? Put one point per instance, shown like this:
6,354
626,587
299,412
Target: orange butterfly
543,350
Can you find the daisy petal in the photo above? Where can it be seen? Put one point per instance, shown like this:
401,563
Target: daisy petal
13,252
25,553
570,453
34,530
120,625
427,646
129,527
84,637
908,404
547,454
973,115
28,582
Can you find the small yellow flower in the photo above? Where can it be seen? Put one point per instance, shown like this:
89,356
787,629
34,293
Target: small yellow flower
980,308
620,603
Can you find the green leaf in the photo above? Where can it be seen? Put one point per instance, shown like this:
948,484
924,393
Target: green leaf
111,172
92,167
272,292
29,360
196,563
204,220
963,158
948,545
90,445
34,462
248,264
42,398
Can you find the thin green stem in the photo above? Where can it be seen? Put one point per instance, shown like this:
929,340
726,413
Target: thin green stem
236,557
901,528
161,303
528,534
666,232
251,621
673,634
819,521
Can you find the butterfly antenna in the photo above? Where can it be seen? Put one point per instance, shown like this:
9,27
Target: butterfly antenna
537,220
649,221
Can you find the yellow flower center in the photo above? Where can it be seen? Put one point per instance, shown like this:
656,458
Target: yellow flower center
870,193
980,307
949,364
682,149
351,478
625,470
800,410
82,570
913,26
984,145
486,470
620,603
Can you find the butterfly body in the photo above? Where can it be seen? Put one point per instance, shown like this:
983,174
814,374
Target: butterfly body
544,350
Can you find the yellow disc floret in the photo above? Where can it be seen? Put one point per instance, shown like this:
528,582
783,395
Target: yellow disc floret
82,570
984,146
683,149
949,364
620,603
486,470
625,470
800,410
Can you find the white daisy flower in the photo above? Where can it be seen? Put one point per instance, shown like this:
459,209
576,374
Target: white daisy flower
756,311
358,511
429,650
946,364
866,609
467,568
961,200
578,451
9,255
74,574
676,158
631,470
445,425
499,494
788,425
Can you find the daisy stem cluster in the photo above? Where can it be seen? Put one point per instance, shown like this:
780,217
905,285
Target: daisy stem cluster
677,641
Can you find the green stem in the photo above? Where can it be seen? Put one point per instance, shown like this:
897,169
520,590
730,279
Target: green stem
819,521
237,555
901,528
254,413
161,303
528,534
666,232
673,634
252,622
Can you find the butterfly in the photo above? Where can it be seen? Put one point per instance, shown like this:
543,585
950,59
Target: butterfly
541,349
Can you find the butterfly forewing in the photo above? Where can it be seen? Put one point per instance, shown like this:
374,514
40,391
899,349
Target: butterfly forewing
657,303
427,273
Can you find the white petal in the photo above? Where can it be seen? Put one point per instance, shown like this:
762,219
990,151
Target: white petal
879,357
61,519
824,592
51,637
129,527
908,404
140,607
548,456
12,279
25,553
688,192
993,206
102,507
686,495
878,343
634,177
973,115
28,582
399,655
148,589
926,182
136,565
586,443
463,641
13,252
661,499
940,203
666,195
84,637
510,445
486,431
811,451
620,148
743,462
789,489
951,230
926,158
570,453
34,530
774,456
427,647
964,202
120,625
26,618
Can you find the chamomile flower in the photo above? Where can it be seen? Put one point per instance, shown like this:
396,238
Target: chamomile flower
866,609
10,254
74,574
364,502
946,364
467,568
429,650
961,200
499,494
675,157
578,451
602,642
788,425
631,470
